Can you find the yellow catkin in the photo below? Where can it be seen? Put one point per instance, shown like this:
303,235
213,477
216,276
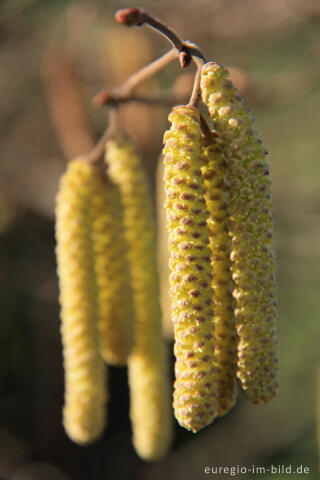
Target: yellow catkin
85,383
216,195
163,254
191,273
251,225
150,409
112,273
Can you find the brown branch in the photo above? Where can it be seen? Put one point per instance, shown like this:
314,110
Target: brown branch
65,102
138,16
196,91
184,50
113,127
149,70
123,93
108,97
187,50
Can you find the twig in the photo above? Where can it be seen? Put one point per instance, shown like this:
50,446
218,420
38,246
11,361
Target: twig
184,50
132,82
123,93
113,127
138,16
187,50
162,100
196,91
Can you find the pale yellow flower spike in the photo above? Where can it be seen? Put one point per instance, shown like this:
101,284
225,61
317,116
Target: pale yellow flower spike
116,316
150,408
251,229
225,352
191,271
85,383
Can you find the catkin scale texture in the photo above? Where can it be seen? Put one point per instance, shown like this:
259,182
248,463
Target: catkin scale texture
251,224
216,195
85,383
116,316
150,409
191,273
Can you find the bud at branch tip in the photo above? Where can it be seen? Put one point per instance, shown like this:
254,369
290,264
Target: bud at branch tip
129,16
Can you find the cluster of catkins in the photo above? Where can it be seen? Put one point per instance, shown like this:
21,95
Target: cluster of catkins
222,275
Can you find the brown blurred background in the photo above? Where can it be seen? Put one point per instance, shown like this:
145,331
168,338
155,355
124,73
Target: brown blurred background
54,57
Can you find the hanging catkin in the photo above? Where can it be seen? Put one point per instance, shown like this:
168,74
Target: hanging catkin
253,263
85,383
150,409
163,254
216,195
191,273
112,273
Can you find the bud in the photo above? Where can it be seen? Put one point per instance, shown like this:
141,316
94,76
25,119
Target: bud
150,409
253,263
191,273
129,16
116,316
85,387
216,195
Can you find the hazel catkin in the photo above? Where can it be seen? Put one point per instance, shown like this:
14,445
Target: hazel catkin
150,409
191,273
85,383
116,316
251,225
216,195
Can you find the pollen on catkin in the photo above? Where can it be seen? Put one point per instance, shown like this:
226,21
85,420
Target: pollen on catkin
191,272
216,195
163,254
251,225
150,409
116,316
85,377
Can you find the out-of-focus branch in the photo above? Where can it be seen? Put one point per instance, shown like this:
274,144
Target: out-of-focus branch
65,104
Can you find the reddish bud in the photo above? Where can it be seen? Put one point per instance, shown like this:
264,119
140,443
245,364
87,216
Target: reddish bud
129,16
184,58
102,98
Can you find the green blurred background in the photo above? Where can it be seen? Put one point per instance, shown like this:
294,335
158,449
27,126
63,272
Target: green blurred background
54,57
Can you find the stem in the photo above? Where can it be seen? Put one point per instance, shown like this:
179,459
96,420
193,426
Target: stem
123,93
188,51
138,16
98,151
196,91
146,72
206,130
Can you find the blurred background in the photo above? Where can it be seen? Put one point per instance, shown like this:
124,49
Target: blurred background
54,57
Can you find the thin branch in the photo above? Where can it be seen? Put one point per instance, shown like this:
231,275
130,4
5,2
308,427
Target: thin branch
132,82
196,91
187,50
107,97
113,127
123,93
138,16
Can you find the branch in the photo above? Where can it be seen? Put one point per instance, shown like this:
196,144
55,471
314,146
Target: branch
187,50
138,16
123,93
113,127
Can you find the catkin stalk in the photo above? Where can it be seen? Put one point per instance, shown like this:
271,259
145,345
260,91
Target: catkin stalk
191,273
148,364
85,384
216,195
112,273
251,225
